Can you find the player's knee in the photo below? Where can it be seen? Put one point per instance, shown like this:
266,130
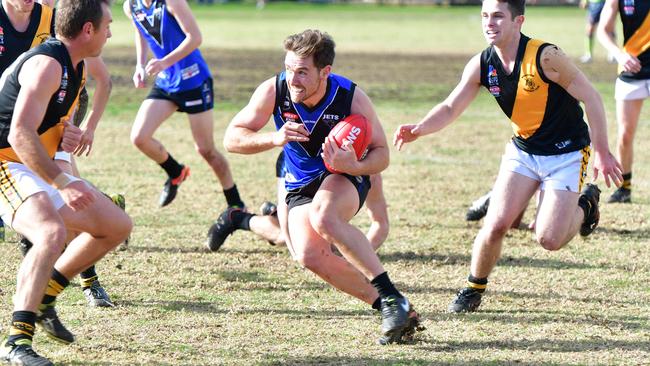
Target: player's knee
50,241
625,137
138,140
549,242
309,260
208,153
122,227
324,224
497,229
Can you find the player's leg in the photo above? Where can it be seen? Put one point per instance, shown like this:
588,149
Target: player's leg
152,113
202,131
335,203
378,212
514,187
627,115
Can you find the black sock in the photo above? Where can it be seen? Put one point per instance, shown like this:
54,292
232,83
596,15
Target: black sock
171,167
241,219
22,328
627,181
384,286
377,304
478,284
88,277
56,285
232,197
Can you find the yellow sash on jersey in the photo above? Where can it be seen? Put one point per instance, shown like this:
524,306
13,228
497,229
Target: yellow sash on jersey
639,42
532,94
44,26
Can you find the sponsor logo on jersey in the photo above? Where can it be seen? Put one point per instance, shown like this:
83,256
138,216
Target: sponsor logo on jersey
495,91
42,37
190,71
493,82
290,117
562,144
61,96
628,7
529,83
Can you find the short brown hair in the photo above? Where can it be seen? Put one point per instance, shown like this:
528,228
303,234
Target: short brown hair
516,7
312,42
71,15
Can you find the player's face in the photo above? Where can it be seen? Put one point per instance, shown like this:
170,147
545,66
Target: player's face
102,33
23,6
306,82
498,25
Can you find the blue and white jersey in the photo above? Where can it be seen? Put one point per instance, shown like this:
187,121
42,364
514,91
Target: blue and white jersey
163,34
302,160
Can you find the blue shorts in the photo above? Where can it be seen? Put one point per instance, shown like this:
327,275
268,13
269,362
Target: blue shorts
191,101
593,11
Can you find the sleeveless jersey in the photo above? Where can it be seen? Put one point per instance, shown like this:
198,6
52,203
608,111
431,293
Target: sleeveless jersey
545,118
61,104
302,160
635,15
163,34
13,43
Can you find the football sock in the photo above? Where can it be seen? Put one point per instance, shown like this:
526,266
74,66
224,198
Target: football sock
241,219
56,285
384,286
627,181
22,327
88,277
171,167
478,284
377,304
232,197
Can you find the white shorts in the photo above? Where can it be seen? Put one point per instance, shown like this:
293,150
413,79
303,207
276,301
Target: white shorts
17,183
63,156
564,172
632,90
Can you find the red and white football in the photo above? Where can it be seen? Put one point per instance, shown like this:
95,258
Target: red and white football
355,129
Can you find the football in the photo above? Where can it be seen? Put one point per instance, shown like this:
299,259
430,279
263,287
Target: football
355,129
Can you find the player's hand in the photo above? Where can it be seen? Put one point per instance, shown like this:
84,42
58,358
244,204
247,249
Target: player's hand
139,77
78,195
290,131
154,66
71,137
342,159
405,134
628,62
86,142
606,164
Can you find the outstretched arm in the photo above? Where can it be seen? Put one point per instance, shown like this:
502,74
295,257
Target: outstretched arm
606,30
446,112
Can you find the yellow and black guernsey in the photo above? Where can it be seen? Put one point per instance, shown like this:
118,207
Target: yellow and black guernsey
14,43
61,104
635,15
545,118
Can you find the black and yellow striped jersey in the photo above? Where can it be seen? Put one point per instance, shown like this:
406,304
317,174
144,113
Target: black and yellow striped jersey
545,118
14,43
635,15
61,104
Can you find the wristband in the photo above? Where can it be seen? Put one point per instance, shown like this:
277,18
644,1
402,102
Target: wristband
61,181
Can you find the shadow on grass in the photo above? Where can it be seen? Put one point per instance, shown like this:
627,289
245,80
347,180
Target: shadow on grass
385,361
547,345
615,324
453,259
641,234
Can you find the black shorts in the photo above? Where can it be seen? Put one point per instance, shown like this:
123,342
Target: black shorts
191,101
305,194
279,166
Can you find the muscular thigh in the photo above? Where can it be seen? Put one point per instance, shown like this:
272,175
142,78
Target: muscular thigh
336,196
556,211
152,113
98,219
510,196
304,240
202,126
36,213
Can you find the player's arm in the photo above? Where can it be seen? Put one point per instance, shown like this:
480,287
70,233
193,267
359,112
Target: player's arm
140,75
181,11
242,135
103,85
344,158
37,88
606,30
559,68
446,112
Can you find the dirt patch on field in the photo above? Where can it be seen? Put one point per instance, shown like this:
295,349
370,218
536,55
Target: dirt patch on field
395,77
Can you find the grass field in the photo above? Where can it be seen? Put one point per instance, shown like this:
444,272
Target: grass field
250,304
